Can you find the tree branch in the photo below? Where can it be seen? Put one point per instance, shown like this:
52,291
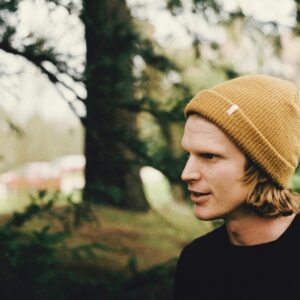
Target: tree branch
37,60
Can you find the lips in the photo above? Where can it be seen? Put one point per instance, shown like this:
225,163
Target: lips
198,194
199,197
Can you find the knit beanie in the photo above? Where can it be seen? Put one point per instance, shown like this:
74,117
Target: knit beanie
261,115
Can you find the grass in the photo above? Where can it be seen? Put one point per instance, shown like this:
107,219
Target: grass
135,252
147,239
125,237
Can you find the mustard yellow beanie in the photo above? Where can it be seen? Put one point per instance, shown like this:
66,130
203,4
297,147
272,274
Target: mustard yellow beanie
261,114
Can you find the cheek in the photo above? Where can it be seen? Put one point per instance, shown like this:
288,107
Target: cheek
233,170
226,177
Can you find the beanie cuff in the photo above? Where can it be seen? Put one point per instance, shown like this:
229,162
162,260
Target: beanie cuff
239,128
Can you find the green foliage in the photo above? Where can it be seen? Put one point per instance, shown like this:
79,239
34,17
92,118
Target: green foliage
116,96
111,192
175,6
33,267
295,180
297,4
230,72
11,5
7,7
201,6
296,28
30,267
159,61
170,165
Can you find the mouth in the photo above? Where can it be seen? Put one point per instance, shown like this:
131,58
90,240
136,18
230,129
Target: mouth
198,194
199,197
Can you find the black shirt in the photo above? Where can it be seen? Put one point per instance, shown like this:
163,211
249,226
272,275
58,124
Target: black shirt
212,268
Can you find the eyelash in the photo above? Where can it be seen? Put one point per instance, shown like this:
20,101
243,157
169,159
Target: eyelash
204,155
208,155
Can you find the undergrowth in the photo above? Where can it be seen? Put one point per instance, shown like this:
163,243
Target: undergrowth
40,263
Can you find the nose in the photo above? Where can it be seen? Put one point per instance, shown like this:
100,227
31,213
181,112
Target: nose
191,171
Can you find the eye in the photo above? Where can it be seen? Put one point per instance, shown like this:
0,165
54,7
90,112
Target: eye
208,155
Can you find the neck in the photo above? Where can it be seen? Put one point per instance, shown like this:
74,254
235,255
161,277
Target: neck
253,230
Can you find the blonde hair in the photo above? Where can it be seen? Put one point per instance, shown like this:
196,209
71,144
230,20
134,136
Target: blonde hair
238,107
266,197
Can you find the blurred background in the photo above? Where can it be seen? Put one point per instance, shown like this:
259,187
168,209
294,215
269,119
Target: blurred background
91,118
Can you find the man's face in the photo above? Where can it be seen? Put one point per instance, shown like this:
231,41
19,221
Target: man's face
213,171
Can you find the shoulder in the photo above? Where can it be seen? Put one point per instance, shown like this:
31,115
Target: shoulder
203,251
214,237
296,223
292,234
206,243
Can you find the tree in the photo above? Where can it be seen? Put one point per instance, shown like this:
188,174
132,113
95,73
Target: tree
114,152
112,168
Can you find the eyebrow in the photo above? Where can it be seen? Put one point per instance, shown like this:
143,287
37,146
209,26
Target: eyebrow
205,149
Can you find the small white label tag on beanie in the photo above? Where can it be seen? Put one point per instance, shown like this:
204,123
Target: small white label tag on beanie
232,109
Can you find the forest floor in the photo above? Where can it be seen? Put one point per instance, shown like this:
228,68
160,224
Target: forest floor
121,237
115,253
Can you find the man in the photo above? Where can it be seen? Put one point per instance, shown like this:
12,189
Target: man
243,141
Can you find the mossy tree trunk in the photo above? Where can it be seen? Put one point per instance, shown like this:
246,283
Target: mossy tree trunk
112,171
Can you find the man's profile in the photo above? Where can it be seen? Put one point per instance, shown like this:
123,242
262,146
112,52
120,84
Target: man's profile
243,142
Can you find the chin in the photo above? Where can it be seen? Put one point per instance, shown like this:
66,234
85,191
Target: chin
206,215
208,218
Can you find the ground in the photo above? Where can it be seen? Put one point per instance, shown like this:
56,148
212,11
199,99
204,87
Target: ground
121,237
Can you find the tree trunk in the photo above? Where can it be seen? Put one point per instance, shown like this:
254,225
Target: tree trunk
112,174
172,133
